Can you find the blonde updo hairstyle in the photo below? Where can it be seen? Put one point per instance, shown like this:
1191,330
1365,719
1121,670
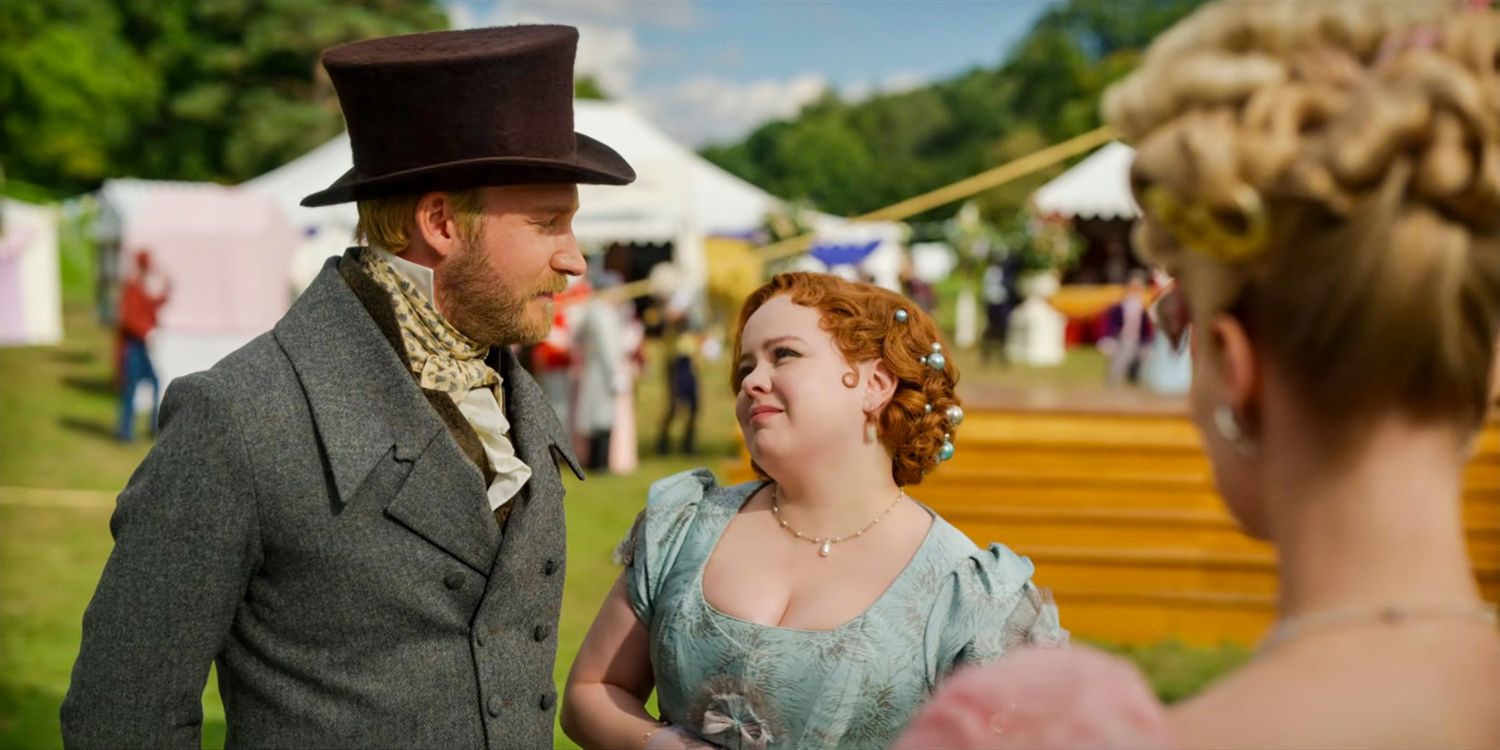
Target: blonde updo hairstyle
1329,174
861,318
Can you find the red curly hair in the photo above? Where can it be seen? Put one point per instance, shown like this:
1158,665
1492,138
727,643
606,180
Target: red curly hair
862,320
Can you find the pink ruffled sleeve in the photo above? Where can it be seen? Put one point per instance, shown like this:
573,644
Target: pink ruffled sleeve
1046,699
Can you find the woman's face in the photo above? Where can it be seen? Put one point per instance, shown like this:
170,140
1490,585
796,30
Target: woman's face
793,404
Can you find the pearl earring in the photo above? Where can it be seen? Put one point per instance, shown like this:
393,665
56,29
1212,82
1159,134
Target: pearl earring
1230,429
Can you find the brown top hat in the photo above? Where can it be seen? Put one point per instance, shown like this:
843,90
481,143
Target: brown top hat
450,110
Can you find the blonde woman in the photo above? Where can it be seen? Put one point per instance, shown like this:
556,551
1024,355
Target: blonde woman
1323,179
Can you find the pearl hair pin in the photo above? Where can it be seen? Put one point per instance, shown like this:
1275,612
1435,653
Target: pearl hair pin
936,360
955,415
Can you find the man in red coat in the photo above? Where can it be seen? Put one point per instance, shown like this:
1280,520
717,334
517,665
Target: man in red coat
141,295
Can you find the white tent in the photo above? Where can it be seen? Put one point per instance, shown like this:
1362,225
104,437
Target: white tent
121,199
30,283
226,254
1096,188
678,196
323,230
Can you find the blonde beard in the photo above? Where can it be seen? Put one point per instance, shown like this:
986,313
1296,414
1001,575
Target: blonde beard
486,310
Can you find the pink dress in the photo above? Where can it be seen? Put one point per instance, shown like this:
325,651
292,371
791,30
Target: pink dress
1047,699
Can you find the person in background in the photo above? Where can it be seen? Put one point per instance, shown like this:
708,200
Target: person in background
142,295
1323,182
599,343
679,363
998,289
552,366
1169,362
1127,332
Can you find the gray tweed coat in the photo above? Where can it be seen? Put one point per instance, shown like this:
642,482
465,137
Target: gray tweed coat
308,523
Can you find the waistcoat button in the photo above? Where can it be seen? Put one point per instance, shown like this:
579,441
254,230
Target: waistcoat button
547,700
541,632
454,580
496,707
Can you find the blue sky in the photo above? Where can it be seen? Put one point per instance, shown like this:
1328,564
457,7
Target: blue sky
711,70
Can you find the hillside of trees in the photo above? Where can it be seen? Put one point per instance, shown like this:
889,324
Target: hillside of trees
849,158
220,90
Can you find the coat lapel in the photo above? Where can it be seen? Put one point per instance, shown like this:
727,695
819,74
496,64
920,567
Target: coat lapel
534,427
366,406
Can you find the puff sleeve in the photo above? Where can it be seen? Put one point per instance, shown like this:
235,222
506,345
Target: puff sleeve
658,535
988,606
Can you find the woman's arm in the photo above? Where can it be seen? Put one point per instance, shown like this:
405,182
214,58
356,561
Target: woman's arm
604,703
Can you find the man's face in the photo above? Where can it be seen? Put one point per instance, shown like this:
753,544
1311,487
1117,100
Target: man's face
498,287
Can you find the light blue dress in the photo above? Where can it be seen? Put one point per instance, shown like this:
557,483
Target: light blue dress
740,684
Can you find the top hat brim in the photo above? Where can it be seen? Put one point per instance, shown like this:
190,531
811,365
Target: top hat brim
595,164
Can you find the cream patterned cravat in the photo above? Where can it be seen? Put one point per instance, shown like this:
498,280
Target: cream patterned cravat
442,358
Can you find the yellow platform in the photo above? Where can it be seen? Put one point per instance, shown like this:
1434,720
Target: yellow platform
1119,513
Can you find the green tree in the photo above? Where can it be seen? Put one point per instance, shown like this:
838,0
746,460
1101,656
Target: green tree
587,87
175,89
71,90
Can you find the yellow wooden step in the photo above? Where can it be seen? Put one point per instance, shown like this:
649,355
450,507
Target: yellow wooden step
1135,528
1061,495
1108,528
1232,571
1107,461
1188,618
1481,480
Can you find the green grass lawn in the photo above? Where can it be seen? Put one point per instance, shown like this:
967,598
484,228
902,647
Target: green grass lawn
57,416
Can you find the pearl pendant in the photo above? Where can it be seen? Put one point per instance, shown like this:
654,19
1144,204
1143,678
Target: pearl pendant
826,549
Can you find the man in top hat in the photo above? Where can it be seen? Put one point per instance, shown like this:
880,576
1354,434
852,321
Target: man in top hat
358,516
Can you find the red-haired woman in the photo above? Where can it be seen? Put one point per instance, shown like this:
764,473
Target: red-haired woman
819,605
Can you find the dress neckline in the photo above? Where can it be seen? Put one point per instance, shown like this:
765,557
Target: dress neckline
718,535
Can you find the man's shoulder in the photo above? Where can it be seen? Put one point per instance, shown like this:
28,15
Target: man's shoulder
255,371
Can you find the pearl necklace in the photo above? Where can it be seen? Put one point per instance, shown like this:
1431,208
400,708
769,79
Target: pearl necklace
825,544
1390,614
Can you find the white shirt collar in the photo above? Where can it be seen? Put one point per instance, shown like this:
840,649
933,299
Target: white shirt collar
421,276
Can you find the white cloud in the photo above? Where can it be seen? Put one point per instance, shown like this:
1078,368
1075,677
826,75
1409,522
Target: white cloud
608,49
671,14
703,109
711,109
891,84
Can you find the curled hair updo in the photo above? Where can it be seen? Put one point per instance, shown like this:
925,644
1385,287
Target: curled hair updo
1329,174
861,318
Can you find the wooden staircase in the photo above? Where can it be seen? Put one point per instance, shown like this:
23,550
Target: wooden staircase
1119,513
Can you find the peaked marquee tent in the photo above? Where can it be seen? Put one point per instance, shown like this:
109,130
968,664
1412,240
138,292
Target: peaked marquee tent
1096,188
1094,199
